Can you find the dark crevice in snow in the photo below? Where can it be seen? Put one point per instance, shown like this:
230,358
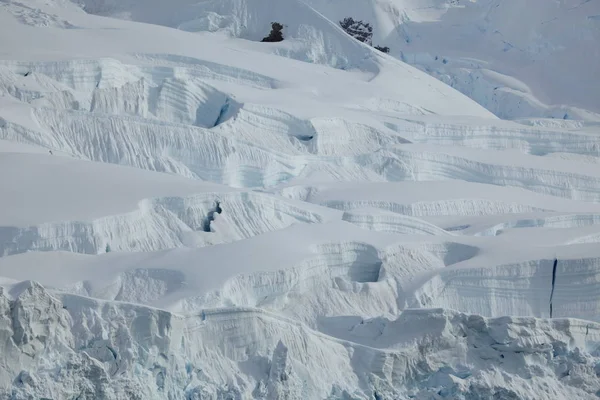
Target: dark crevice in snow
112,351
211,216
305,138
553,283
363,273
228,110
222,113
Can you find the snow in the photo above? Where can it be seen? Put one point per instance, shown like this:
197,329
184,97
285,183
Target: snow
189,213
517,60
97,195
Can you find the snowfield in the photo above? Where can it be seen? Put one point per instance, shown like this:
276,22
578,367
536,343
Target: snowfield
189,213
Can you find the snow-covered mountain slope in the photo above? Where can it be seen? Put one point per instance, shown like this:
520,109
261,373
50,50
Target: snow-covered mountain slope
189,213
518,59
540,59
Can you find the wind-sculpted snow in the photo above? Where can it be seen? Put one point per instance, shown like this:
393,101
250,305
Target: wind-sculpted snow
360,275
558,221
130,119
421,199
165,147
517,289
175,100
341,137
542,140
338,279
178,95
187,212
164,223
424,163
380,220
156,211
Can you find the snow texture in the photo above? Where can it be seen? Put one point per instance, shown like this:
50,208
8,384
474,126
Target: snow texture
187,212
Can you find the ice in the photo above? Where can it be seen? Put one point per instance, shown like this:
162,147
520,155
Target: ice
187,212
433,347
517,62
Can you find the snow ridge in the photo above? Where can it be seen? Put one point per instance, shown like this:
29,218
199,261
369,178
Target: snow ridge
163,223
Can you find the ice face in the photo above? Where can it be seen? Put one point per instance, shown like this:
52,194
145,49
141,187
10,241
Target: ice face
189,213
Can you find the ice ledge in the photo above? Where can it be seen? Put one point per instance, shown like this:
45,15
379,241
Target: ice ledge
64,346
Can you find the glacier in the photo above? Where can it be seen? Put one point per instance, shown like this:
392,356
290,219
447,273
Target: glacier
123,350
189,213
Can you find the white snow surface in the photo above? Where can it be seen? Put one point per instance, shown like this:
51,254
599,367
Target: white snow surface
189,213
516,58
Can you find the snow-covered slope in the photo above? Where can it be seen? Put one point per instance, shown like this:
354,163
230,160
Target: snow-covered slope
190,213
539,59
518,59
